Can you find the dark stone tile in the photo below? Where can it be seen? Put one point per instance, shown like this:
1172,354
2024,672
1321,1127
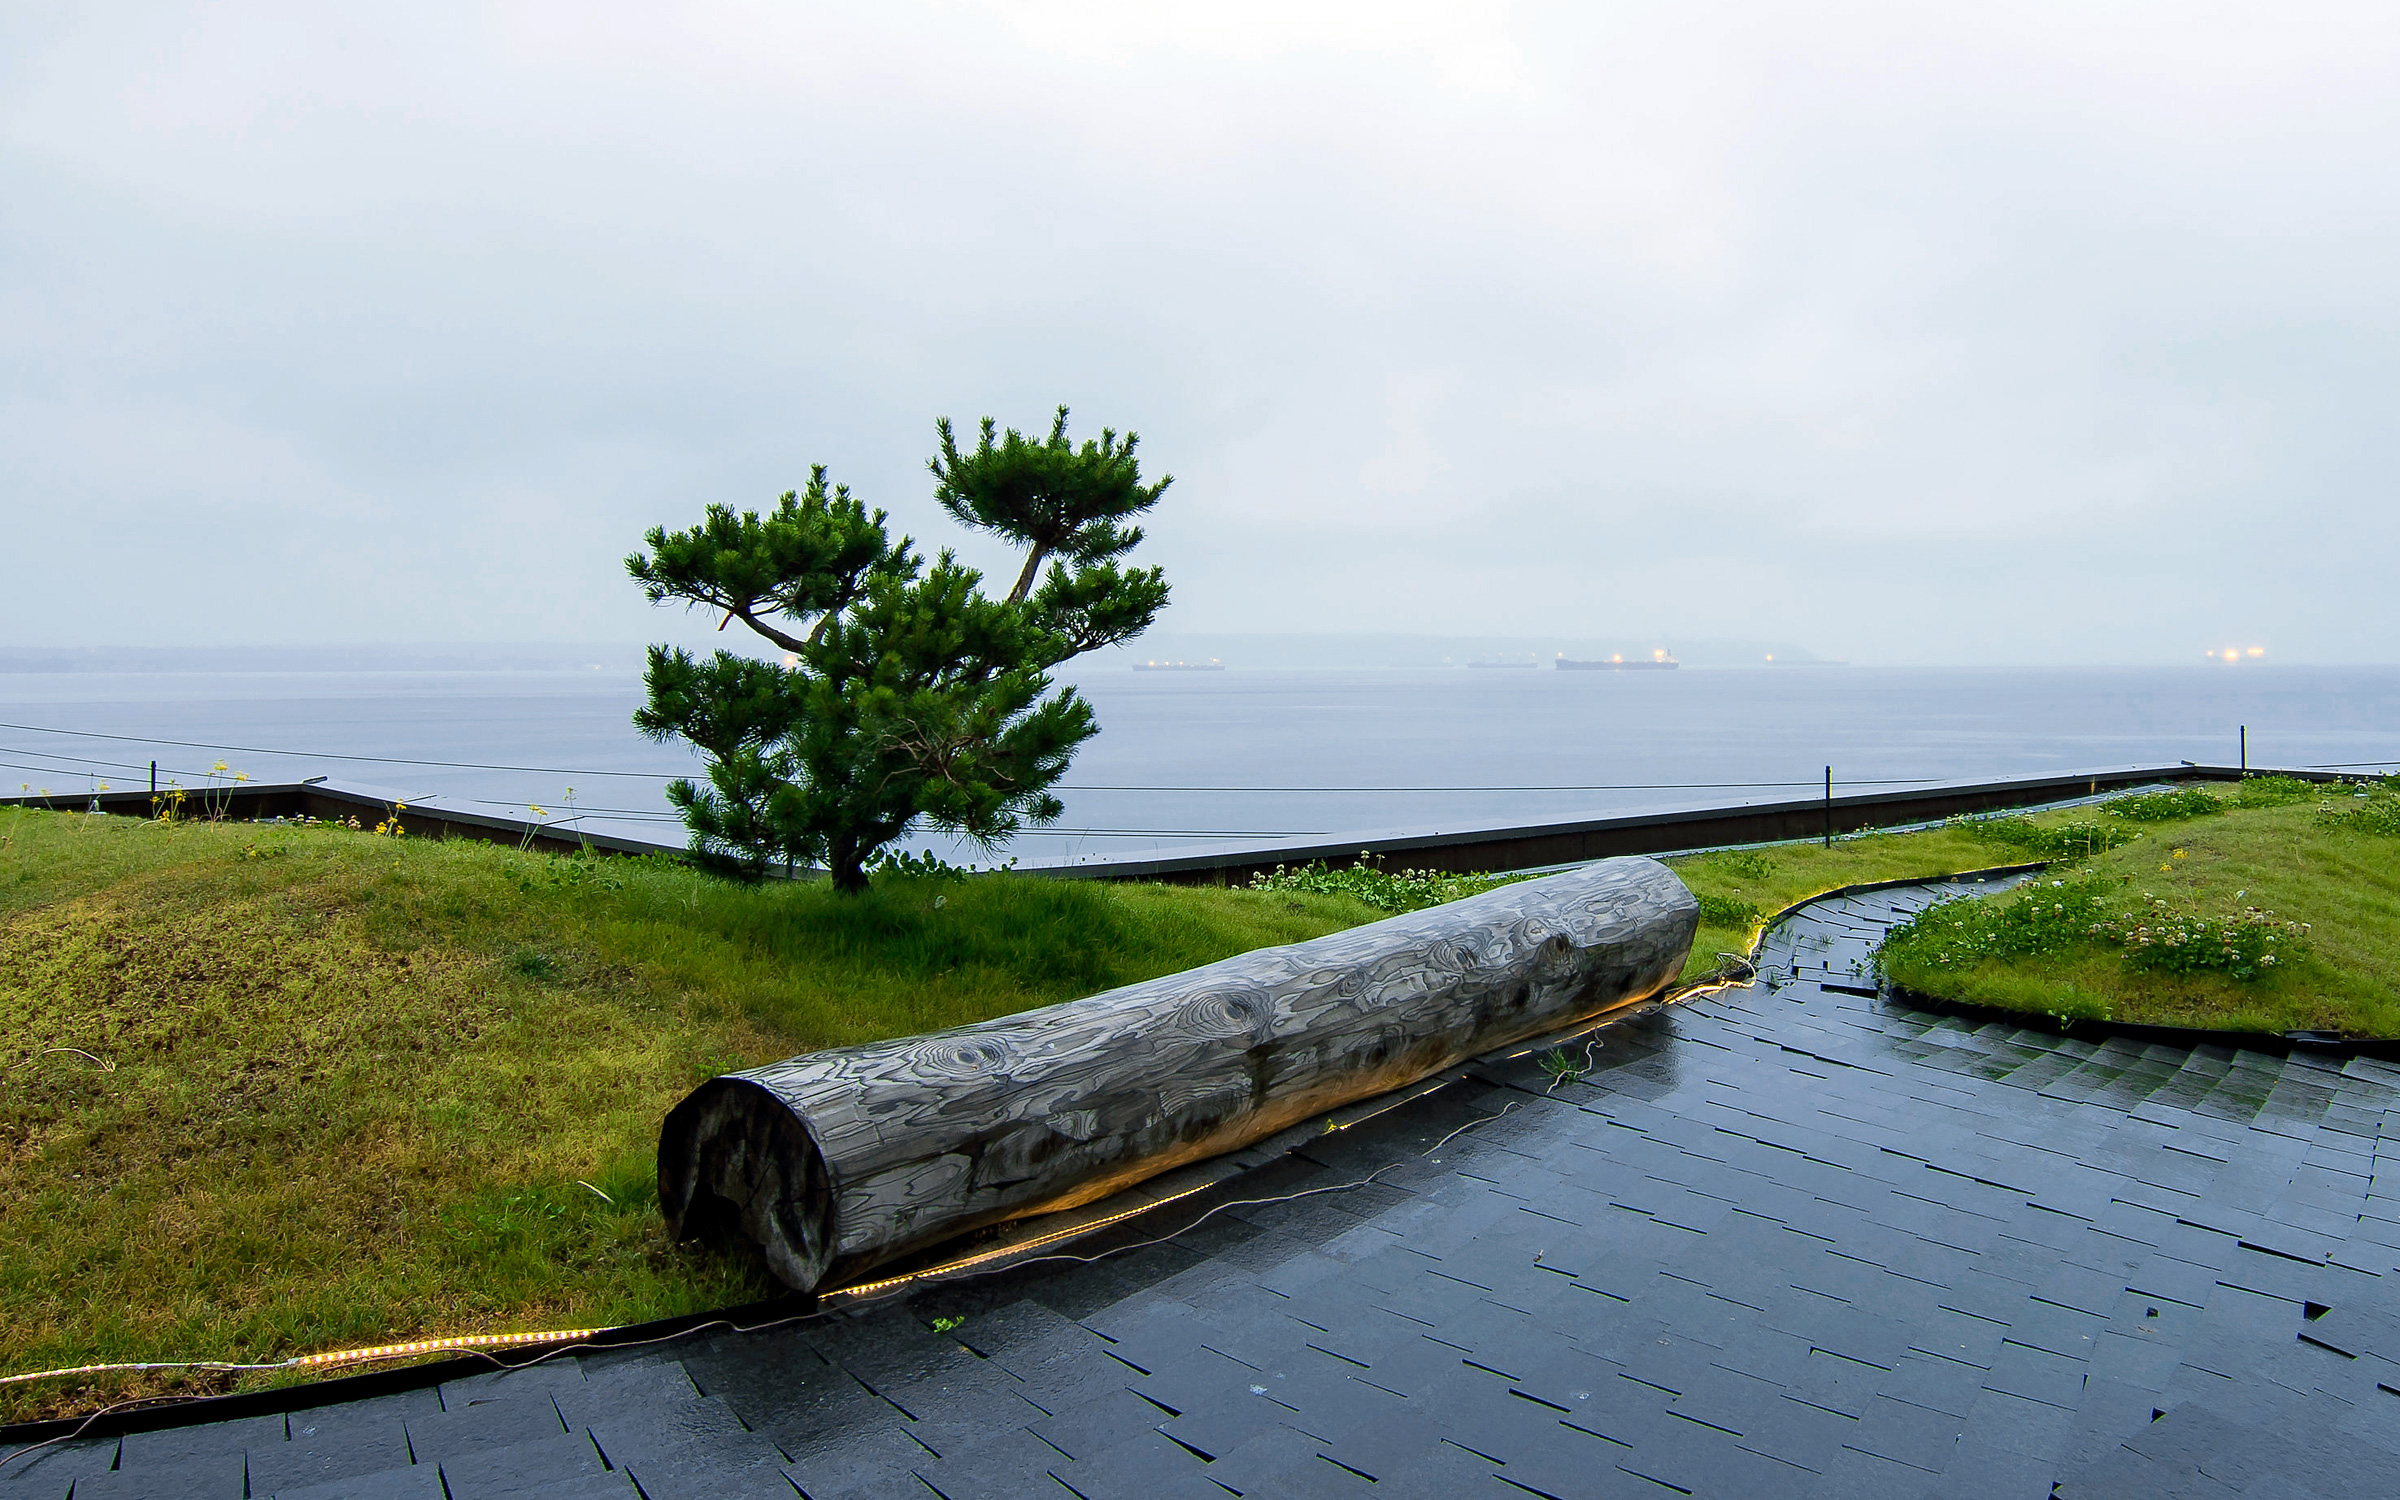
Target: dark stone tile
501,1472
625,1390
327,1446
415,1482
46,1472
2019,1424
696,1447
531,1382
498,1423
213,1477
1093,1426
1149,1466
1007,1467
1857,1475
1726,1399
2055,1329
2038,1375
1706,1462
1912,1433
868,1461
174,1445
1798,1432
346,1420
1983,1470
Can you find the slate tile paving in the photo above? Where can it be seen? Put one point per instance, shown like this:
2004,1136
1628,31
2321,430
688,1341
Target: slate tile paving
1782,1240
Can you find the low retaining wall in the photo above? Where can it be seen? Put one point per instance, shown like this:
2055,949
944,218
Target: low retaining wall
1544,845
839,1160
250,802
1473,852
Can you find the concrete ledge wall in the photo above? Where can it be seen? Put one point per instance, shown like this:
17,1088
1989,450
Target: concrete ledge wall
1544,845
251,802
1473,851
839,1160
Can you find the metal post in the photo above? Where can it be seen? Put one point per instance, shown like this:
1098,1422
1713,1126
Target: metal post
1829,807
154,778
2245,749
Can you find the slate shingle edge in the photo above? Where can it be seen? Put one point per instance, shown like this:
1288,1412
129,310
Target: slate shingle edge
309,1395
2280,1044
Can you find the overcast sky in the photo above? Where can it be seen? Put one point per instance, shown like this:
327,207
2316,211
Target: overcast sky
1909,333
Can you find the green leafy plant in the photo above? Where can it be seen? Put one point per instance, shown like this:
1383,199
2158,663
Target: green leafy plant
1559,1067
905,694
2039,841
2245,944
1727,911
2057,916
2373,809
1743,864
1403,891
532,963
2275,791
2172,805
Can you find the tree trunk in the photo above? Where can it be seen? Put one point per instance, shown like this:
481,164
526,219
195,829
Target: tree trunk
842,1159
842,862
1033,568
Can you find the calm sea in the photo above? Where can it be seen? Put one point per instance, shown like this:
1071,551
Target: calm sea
1194,761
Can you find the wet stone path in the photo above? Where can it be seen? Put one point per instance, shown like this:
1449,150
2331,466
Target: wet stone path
1782,1240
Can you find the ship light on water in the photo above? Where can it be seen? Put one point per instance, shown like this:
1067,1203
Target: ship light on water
2236,653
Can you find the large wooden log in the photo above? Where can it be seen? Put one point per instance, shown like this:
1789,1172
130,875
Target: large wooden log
838,1160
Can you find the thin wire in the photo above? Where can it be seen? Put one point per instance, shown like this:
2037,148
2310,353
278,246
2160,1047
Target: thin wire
73,771
1336,1187
469,765
381,760
581,1340
80,760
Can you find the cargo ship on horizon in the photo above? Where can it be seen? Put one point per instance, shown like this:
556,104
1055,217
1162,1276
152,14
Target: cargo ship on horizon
1656,661
1210,665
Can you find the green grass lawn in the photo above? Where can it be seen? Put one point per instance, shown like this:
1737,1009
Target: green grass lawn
331,1089
348,1090
2233,872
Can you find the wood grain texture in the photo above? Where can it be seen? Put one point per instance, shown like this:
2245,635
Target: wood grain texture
837,1160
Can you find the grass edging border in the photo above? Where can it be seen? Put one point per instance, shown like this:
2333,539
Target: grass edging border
308,1395
1767,924
2079,1028
2085,1028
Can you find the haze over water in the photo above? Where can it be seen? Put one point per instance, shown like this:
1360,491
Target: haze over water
1319,755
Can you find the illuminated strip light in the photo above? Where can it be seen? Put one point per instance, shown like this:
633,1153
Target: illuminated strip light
867,1289
465,1343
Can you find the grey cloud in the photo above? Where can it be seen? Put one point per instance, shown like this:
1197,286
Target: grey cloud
2055,334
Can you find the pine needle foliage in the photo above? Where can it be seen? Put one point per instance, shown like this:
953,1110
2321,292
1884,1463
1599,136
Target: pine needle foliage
906,695
1048,496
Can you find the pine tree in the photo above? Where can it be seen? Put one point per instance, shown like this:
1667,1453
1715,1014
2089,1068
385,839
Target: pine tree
906,694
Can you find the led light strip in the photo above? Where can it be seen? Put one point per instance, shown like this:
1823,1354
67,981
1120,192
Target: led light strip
460,1343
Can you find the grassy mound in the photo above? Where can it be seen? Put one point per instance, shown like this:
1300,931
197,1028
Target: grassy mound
276,1090
272,1090
2273,908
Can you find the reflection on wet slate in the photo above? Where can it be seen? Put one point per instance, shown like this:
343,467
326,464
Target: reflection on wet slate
1788,1240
